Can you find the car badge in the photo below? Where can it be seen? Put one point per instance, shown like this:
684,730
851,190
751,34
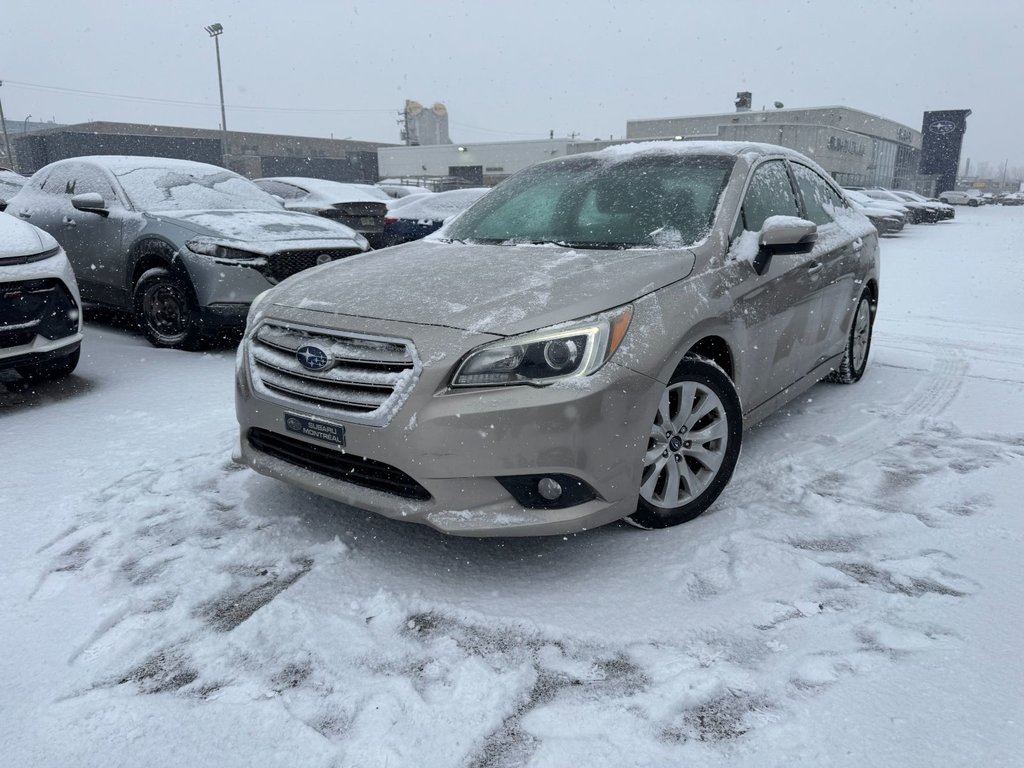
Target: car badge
323,258
942,126
314,357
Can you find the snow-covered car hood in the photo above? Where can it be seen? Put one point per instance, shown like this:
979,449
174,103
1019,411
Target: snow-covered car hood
19,238
503,290
260,231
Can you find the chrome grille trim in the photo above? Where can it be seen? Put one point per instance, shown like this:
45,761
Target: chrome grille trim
372,375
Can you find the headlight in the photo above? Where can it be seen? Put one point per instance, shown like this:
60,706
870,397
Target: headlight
217,251
361,241
563,352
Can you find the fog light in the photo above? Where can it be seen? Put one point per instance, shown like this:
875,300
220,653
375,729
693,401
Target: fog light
549,489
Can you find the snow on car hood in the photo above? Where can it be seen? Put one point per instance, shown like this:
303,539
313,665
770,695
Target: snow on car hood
19,238
496,289
254,227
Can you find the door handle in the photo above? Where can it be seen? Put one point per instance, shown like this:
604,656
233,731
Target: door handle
25,214
814,268
69,222
857,244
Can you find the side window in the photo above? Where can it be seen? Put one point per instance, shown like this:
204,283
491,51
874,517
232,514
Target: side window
820,201
88,179
770,194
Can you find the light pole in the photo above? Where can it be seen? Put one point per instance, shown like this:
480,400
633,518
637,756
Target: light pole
7,141
24,125
215,31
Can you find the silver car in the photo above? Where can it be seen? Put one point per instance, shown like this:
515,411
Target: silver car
586,343
185,245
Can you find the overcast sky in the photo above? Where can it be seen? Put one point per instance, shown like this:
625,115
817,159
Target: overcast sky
511,70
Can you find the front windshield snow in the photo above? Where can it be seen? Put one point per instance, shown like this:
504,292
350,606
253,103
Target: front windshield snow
188,189
652,200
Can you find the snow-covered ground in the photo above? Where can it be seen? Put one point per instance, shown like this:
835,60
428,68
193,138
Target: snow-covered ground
853,599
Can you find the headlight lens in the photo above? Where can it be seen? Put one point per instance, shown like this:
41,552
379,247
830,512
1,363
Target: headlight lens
208,248
564,352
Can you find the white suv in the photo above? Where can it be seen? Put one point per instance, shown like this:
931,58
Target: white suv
40,308
960,198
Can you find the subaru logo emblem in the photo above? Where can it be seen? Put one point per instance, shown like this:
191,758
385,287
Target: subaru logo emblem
313,357
942,126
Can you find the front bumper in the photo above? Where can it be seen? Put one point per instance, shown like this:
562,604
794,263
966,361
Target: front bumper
454,444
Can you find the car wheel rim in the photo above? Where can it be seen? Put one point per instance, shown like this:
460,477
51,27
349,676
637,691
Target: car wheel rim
861,334
686,446
166,310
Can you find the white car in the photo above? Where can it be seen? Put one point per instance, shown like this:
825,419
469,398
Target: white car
40,308
961,198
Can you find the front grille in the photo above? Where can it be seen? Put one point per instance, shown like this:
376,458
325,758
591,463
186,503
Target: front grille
30,308
287,263
333,462
370,378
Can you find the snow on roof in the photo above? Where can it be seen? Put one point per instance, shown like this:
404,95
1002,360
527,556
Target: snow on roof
734,148
118,164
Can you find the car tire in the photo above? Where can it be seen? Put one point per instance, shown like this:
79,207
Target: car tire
682,477
858,344
166,310
972,204
50,370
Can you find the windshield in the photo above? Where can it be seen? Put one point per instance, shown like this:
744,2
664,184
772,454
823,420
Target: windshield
192,188
647,200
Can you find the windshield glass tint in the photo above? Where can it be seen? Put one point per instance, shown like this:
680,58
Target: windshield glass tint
648,200
187,189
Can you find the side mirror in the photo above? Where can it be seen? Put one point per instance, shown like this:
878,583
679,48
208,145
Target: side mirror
783,235
92,202
3,204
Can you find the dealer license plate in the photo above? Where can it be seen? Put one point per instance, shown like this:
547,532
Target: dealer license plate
315,428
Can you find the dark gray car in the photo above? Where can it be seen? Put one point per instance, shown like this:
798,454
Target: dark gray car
585,343
186,246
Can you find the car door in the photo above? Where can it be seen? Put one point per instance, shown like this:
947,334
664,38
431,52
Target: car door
777,310
91,240
838,251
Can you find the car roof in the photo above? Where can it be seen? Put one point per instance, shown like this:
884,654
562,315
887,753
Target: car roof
327,187
119,164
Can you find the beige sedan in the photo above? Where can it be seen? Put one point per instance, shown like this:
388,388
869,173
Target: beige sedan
586,343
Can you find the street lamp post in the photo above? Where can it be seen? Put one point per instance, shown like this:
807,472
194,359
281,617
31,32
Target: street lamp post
215,31
7,141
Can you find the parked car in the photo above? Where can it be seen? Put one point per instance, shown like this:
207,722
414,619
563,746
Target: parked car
585,343
423,215
40,308
359,206
919,212
885,208
186,246
952,197
398,191
943,210
10,184
885,223
1011,198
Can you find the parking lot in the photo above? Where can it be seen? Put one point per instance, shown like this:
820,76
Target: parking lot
853,587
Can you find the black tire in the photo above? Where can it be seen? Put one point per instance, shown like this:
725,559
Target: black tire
682,477
972,204
166,310
858,344
50,370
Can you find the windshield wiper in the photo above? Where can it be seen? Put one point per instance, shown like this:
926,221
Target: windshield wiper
582,244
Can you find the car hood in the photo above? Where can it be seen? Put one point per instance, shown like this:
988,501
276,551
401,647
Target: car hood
502,290
260,231
19,238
